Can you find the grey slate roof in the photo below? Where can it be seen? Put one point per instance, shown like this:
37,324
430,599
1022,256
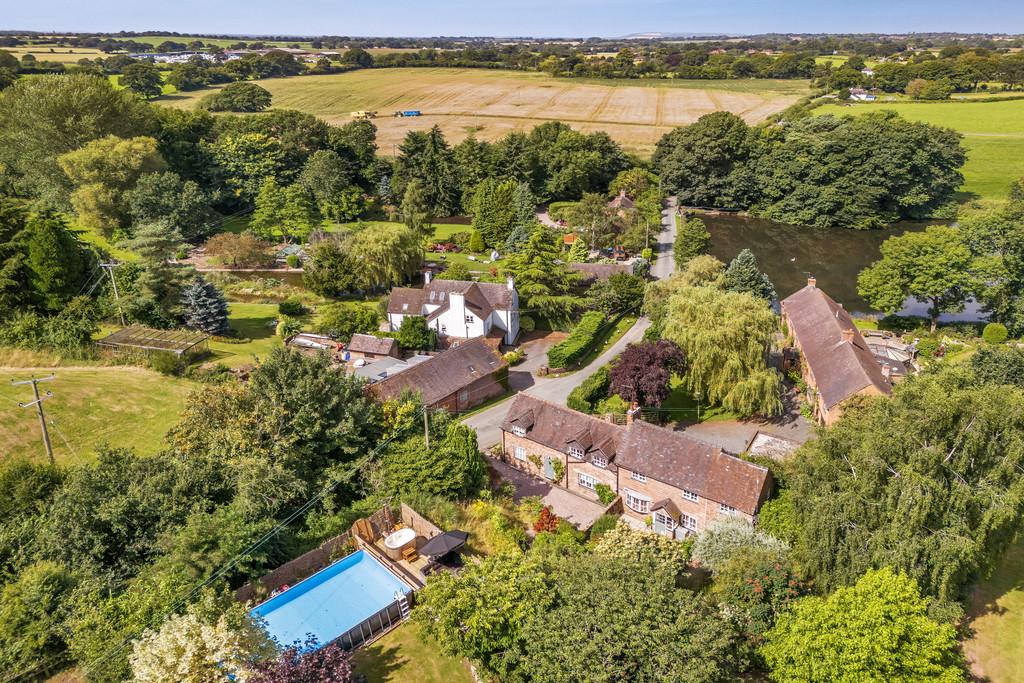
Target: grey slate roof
444,374
841,368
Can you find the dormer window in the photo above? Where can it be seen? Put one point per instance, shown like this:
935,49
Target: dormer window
576,452
518,431
599,461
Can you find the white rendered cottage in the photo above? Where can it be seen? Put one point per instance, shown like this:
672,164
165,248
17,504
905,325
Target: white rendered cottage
460,309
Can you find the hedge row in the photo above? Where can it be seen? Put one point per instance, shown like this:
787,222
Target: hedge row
593,390
576,345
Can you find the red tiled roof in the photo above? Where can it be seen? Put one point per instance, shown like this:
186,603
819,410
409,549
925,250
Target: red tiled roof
367,343
662,454
444,374
841,367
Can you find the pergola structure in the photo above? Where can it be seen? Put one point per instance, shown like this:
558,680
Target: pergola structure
139,338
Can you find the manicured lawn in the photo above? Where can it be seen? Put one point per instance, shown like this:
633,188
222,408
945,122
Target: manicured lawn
680,406
256,325
996,649
123,406
993,137
402,657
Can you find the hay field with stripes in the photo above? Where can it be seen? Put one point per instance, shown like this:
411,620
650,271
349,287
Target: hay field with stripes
492,103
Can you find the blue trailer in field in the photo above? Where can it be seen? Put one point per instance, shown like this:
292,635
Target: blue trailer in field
409,112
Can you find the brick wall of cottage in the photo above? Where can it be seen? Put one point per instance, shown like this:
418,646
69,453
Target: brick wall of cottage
509,443
704,510
603,476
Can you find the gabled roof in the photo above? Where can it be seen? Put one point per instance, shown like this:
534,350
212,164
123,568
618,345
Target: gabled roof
684,462
668,456
621,201
558,427
841,366
481,297
444,374
367,343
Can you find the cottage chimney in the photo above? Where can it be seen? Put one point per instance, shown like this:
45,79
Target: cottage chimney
812,281
848,335
634,410
428,275
510,283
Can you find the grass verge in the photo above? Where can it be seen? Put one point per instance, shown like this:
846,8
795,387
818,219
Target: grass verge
401,656
995,649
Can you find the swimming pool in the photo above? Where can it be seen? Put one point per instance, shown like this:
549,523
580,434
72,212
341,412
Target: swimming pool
332,601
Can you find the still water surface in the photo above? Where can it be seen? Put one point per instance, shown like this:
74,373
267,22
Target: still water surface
789,253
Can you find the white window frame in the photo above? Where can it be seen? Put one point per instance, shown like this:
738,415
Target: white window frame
665,519
599,461
637,504
636,476
690,495
726,509
587,481
519,453
687,522
518,431
576,452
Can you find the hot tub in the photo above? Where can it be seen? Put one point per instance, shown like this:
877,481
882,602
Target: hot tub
398,541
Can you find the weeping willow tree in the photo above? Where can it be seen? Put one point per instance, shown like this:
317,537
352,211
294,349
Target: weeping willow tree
385,255
725,337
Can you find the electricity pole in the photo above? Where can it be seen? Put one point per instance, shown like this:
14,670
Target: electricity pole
109,267
426,431
38,403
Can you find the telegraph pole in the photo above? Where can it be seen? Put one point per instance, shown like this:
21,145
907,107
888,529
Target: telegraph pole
426,431
38,403
109,267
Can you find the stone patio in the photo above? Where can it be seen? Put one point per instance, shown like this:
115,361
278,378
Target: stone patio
576,510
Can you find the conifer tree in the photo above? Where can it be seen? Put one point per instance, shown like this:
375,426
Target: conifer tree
56,263
579,251
204,307
415,209
744,276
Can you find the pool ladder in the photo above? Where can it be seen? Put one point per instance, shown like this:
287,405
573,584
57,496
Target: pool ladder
403,605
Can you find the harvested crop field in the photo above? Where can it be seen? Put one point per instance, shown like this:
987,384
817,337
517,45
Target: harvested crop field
492,103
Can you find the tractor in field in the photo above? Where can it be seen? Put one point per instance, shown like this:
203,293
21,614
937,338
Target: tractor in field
363,115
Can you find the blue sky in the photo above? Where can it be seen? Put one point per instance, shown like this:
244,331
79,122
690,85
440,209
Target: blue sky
520,17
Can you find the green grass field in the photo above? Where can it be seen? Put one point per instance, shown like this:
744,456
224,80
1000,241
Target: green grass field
491,103
402,657
993,137
121,406
996,648
256,324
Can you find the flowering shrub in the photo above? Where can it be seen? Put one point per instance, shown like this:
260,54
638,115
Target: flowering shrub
627,543
727,537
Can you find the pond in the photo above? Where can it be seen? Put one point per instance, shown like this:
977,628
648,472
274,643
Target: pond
789,253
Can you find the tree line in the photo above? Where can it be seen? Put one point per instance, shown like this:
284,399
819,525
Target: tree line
823,171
